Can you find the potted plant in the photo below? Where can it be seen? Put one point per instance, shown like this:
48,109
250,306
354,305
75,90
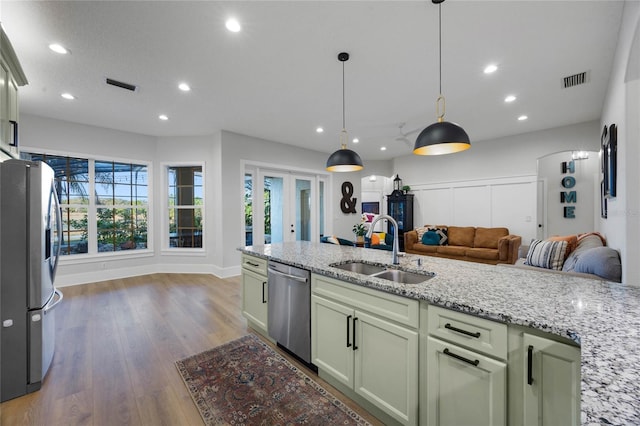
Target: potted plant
360,230
406,189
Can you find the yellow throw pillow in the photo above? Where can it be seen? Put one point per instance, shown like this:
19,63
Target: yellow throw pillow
377,238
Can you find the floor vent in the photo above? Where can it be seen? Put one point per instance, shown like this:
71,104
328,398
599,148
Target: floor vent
575,80
121,84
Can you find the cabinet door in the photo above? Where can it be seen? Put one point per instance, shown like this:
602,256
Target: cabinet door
4,107
552,382
464,387
254,298
332,339
386,366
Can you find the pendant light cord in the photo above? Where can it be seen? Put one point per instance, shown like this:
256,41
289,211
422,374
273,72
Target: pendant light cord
439,43
343,121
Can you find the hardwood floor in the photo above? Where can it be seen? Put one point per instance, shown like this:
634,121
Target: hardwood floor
116,345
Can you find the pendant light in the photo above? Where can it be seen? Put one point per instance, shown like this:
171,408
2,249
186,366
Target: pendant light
442,137
344,159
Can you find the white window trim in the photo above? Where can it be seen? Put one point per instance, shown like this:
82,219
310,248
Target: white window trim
166,249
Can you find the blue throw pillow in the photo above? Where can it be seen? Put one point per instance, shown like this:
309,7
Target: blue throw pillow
601,261
430,238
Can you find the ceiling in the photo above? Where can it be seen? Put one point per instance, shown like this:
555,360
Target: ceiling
279,78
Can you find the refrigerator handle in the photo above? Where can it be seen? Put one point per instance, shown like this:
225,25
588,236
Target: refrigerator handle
58,293
58,231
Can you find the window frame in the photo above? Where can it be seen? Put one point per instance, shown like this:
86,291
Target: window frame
92,253
165,222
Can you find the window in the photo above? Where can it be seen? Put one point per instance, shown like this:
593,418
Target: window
185,209
114,218
248,209
121,199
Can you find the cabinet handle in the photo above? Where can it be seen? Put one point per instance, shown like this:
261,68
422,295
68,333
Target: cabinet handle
461,358
348,341
264,283
459,330
530,365
14,124
354,333
255,265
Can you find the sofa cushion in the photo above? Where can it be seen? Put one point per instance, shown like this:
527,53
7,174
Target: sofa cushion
431,238
585,242
483,253
421,248
546,254
458,251
601,261
488,237
461,236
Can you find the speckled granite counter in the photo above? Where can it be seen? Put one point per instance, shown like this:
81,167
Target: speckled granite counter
604,318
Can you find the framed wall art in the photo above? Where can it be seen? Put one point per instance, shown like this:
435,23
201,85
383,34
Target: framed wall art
609,146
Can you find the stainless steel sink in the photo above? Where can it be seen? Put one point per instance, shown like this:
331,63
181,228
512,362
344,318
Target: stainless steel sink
360,267
403,277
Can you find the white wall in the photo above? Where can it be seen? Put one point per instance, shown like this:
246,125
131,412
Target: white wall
621,107
491,184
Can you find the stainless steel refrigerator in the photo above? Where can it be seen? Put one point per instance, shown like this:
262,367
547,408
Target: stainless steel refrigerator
30,231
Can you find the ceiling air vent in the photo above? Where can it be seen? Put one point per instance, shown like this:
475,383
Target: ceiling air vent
575,80
121,85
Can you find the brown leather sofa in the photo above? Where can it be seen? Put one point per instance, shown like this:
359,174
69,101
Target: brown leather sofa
483,245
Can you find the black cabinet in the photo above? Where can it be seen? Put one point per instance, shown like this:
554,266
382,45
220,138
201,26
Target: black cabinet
400,207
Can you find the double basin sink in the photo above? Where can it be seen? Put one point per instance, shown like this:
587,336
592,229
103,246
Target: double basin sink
378,271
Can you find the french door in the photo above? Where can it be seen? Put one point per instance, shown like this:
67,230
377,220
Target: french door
286,207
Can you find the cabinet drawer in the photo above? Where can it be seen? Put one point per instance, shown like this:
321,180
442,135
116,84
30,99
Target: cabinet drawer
255,264
400,309
485,336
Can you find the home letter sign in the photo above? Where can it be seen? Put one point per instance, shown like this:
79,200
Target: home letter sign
569,182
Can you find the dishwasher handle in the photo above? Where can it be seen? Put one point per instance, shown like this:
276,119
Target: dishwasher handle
293,277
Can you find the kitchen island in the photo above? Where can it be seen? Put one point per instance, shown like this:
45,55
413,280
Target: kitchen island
602,318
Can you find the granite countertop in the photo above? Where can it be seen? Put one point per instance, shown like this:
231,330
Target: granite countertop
602,317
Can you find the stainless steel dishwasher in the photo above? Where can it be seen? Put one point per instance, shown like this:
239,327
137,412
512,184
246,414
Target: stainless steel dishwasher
289,313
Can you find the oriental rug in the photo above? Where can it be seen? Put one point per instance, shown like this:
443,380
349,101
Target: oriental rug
245,382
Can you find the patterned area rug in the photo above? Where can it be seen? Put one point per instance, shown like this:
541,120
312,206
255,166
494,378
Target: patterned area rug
245,382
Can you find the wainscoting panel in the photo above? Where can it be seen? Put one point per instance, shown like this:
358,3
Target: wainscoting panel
508,202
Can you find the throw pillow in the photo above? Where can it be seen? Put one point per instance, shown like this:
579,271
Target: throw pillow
430,238
585,242
546,254
601,261
442,234
421,232
377,238
333,240
572,242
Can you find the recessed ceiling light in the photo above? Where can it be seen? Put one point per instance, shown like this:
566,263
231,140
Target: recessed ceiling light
356,140
510,98
490,69
58,48
163,117
233,25
184,87
68,96
383,148
319,130
522,118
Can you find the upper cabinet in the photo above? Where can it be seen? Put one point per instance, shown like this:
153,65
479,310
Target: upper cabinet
11,77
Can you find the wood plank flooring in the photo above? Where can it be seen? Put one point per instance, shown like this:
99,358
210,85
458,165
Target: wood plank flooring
116,345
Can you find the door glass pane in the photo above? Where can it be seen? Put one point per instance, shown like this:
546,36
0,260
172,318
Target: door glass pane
303,210
273,210
248,209
321,208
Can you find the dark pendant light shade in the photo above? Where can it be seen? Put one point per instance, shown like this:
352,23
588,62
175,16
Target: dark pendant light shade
442,137
344,159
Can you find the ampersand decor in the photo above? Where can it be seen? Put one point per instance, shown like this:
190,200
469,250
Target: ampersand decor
348,204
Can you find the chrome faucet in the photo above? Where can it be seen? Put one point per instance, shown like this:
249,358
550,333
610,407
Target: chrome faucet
395,234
